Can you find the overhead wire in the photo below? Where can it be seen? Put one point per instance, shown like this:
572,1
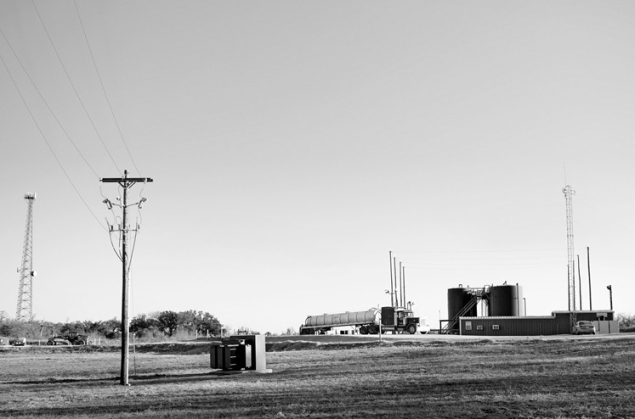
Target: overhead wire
44,101
113,245
74,88
134,243
44,136
103,88
109,230
112,231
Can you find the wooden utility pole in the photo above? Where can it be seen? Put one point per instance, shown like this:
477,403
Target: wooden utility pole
126,183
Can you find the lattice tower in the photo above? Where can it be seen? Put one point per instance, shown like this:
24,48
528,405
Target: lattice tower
25,292
568,195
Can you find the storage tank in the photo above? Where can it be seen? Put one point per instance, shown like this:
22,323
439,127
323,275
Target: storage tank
506,300
341,319
457,299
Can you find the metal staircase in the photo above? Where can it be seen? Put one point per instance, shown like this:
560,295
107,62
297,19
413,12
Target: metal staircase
469,306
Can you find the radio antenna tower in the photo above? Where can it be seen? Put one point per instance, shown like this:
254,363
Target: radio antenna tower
568,195
25,292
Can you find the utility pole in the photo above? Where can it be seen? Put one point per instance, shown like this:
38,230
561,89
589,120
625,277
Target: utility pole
126,183
568,194
24,310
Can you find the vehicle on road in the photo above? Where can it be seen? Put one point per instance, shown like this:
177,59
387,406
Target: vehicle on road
57,340
371,321
72,338
584,327
19,342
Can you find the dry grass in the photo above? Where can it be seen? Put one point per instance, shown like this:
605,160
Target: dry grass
582,378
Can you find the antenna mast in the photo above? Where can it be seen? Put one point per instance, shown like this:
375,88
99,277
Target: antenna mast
568,195
25,293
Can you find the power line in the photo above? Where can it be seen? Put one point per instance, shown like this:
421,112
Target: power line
45,140
74,89
45,103
103,88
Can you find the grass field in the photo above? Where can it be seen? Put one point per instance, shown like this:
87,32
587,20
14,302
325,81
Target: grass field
422,378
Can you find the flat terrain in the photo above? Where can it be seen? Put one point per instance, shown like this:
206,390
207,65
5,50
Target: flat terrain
332,377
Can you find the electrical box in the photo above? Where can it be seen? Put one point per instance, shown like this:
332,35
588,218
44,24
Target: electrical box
240,353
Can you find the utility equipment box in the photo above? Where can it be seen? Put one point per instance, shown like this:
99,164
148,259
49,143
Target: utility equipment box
240,353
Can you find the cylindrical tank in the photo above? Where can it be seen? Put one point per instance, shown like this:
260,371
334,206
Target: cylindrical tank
457,299
340,319
506,300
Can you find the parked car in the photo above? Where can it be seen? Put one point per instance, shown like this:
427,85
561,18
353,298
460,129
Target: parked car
584,327
58,340
19,342
72,338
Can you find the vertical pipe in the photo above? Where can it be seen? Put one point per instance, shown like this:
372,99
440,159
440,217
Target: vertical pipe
400,287
569,288
580,281
392,292
379,309
404,285
588,262
575,303
394,271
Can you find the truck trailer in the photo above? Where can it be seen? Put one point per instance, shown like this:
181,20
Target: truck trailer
371,321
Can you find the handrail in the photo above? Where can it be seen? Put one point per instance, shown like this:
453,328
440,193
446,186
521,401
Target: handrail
473,301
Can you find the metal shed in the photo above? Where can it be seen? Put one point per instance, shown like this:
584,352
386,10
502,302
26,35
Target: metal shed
558,323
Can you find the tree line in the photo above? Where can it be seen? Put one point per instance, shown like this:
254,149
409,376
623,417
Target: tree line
159,324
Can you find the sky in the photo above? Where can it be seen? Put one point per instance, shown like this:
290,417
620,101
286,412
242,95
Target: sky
294,144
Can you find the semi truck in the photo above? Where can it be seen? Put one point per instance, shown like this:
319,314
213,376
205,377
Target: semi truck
371,321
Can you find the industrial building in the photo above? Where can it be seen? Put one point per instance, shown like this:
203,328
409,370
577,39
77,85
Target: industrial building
502,313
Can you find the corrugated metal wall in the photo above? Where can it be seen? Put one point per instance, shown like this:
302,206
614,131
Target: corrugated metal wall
557,324
511,326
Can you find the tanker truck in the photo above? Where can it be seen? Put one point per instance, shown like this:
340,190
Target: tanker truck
393,319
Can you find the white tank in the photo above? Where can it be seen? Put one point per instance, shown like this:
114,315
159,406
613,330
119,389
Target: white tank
341,319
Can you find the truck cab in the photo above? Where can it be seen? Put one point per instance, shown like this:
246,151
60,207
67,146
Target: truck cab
399,319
